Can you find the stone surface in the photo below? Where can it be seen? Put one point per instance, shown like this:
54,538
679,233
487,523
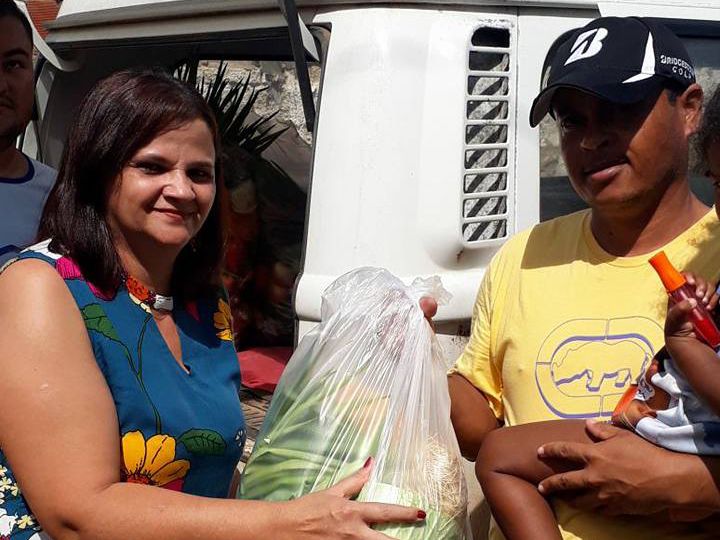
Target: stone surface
281,94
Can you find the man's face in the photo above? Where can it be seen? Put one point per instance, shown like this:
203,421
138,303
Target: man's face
621,155
16,79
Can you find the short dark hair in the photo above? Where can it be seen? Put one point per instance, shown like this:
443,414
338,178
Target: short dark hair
123,113
709,132
674,91
8,8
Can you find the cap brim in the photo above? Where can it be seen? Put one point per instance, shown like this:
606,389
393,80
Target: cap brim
621,93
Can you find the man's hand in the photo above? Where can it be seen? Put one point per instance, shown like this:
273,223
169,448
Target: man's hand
429,307
620,474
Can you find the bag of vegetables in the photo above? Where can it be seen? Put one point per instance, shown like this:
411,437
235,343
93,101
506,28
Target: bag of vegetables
369,380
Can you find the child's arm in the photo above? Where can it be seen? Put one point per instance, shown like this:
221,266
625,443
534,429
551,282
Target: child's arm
514,450
698,362
509,470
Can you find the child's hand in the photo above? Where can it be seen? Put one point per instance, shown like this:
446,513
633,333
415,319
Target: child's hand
677,321
704,290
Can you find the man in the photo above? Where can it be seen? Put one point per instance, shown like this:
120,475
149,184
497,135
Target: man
570,312
24,182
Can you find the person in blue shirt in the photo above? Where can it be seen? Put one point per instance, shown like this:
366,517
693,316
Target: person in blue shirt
24,182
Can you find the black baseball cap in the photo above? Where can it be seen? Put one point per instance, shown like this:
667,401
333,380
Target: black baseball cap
619,59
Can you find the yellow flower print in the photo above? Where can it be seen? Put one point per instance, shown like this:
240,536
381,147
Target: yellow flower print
3,471
14,490
5,484
25,521
151,462
223,320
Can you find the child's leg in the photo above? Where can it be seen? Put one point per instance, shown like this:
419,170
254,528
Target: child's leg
509,471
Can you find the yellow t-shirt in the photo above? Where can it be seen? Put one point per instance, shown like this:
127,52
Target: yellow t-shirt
561,328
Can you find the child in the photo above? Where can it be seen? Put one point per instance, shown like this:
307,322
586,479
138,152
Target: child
678,400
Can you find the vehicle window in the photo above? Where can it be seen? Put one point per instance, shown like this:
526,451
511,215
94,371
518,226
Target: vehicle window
557,196
267,154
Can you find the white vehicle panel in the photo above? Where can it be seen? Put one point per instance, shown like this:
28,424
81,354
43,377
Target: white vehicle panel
671,9
396,177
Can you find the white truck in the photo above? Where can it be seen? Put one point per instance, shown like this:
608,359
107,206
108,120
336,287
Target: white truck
421,158
413,145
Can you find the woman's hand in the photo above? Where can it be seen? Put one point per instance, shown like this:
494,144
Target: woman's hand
331,515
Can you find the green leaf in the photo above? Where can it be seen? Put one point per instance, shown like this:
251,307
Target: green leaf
203,442
95,319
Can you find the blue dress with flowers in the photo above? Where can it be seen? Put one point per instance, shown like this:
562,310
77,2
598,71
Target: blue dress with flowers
181,430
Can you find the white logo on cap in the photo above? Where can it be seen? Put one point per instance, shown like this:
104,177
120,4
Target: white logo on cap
648,66
587,44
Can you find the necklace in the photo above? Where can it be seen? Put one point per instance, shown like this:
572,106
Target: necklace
147,296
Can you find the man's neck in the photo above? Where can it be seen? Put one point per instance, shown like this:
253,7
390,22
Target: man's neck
642,229
12,163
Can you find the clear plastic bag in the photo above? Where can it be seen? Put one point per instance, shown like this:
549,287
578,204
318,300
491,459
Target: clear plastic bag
369,380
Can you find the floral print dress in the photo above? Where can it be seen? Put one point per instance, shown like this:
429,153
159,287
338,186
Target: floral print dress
180,429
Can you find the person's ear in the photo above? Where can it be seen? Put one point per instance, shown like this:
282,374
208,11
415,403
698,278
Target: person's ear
690,104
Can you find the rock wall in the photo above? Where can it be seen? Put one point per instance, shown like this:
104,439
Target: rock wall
282,92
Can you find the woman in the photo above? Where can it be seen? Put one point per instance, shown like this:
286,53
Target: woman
119,374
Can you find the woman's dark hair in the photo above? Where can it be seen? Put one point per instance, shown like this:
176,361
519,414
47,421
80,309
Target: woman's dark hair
8,8
123,113
709,132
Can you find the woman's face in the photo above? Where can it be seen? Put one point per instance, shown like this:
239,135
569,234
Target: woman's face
164,193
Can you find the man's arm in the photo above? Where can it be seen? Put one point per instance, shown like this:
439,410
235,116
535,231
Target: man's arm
475,382
471,415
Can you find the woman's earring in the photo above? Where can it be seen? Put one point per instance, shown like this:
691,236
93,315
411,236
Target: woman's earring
193,244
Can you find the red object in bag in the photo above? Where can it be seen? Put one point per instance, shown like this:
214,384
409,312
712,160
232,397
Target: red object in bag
261,367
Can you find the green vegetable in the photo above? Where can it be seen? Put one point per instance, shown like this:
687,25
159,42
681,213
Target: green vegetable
366,382
298,450
320,429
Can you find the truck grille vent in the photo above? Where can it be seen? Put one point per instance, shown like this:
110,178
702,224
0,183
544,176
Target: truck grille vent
487,209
